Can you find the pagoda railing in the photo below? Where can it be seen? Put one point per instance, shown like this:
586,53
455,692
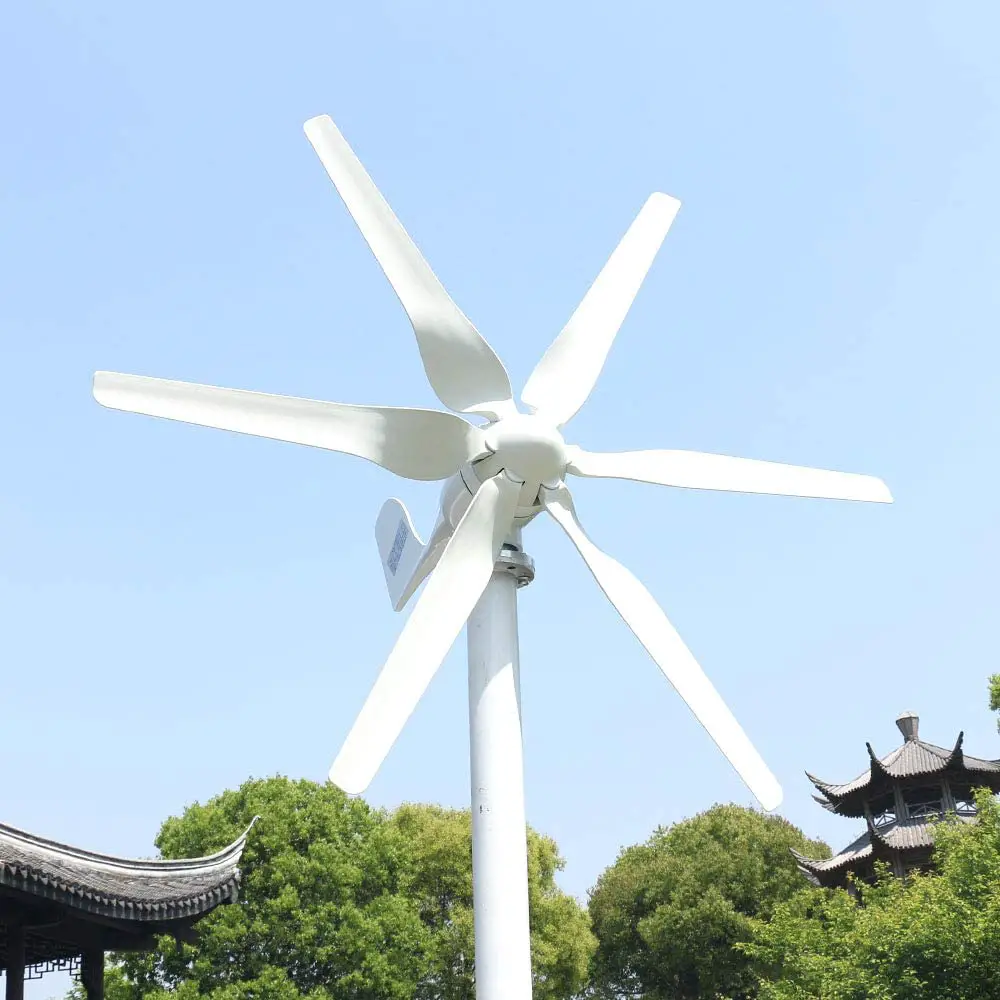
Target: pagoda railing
39,969
884,819
924,809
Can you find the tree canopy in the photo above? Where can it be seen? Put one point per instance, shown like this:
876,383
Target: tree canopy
340,901
932,936
668,913
995,696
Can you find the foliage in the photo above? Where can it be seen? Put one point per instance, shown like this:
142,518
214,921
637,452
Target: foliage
439,879
668,913
343,902
929,937
995,696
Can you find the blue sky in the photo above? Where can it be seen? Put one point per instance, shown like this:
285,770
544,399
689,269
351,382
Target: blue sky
181,608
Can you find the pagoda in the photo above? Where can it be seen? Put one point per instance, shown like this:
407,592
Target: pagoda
62,908
898,797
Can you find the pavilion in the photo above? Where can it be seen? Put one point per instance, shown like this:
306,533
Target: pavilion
63,908
899,796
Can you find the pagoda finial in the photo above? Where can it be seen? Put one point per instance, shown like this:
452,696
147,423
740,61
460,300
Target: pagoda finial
909,723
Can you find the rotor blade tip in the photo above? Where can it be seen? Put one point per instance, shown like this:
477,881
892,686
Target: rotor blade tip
315,122
346,783
876,491
98,385
771,801
665,201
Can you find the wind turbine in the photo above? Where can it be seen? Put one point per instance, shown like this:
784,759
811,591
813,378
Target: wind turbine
498,475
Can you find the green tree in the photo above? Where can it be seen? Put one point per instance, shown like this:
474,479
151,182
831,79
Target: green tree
439,880
669,913
932,936
995,696
343,902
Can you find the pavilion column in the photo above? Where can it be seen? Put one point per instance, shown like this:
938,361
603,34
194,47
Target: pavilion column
15,962
92,974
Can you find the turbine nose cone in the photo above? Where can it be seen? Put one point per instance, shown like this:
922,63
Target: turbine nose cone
528,448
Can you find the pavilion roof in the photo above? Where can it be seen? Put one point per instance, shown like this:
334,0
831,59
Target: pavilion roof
915,758
903,836
127,889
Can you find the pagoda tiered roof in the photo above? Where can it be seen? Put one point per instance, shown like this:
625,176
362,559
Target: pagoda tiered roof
914,759
873,845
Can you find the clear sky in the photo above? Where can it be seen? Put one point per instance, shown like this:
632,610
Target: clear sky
181,608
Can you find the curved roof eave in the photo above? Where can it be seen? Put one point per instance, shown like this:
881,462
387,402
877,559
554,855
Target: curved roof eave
129,889
913,759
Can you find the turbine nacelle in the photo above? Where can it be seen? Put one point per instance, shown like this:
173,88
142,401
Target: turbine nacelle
529,449
526,449
458,491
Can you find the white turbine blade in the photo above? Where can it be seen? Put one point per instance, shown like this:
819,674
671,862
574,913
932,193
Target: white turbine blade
651,627
452,591
461,366
698,470
415,444
568,371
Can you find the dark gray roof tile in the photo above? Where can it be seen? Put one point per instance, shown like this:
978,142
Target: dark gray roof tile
913,759
860,848
899,837
126,888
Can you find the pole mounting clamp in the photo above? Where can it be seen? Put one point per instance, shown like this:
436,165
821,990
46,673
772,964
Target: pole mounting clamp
517,563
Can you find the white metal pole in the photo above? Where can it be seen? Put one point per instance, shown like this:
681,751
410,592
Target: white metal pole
499,833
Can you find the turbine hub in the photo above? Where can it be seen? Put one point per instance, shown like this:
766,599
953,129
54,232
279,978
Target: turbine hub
528,448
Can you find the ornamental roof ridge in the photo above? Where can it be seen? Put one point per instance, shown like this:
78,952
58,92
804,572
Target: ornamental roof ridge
914,758
129,889
226,857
